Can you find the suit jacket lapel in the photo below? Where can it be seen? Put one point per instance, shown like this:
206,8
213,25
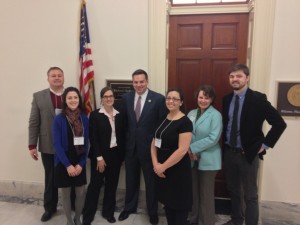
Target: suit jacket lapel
131,106
203,117
226,105
246,104
48,101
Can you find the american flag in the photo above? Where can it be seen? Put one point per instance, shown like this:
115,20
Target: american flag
86,79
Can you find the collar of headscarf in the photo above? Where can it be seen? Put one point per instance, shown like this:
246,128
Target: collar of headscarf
74,118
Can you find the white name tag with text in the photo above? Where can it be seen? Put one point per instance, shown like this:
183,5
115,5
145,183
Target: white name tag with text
78,140
157,142
57,111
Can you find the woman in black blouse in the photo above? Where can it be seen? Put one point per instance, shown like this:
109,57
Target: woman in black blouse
171,163
106,154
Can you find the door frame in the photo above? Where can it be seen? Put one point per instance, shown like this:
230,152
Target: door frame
262,16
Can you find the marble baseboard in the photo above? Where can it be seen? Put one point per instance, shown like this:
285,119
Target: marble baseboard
32,193
22,192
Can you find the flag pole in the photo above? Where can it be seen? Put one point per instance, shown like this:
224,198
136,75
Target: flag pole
94,96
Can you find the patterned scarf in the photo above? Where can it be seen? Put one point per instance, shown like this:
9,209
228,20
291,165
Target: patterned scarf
75,121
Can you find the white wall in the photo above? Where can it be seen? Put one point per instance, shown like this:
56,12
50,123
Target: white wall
37,34
280,178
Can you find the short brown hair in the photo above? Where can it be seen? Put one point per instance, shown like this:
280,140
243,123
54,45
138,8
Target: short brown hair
208,91
140,71
54,68
237,67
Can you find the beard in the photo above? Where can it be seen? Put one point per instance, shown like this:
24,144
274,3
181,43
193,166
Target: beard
237,86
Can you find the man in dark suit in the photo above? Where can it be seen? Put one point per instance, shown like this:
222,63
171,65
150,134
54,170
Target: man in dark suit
142,109
45,105
244,112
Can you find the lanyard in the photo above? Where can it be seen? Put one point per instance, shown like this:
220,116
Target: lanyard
163,129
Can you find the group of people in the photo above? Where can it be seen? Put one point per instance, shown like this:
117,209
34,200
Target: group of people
178,154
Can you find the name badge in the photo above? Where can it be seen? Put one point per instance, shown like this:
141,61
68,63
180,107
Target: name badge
157,142
78,140
57,111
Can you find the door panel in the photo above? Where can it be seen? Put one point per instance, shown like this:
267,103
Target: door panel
201,50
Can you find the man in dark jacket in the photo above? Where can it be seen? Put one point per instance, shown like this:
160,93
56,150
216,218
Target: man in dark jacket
244,112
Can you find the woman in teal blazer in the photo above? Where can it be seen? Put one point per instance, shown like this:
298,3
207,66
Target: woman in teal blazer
205,153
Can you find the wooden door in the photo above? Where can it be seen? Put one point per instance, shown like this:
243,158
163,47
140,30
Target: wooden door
201,50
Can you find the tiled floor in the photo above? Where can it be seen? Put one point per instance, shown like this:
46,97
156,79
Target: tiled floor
29,214
17,214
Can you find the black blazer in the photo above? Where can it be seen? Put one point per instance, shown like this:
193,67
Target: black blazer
139,134
256,109
100,135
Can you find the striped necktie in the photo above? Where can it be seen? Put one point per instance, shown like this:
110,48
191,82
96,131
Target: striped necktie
138,108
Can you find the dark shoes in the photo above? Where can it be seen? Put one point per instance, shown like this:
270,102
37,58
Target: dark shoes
153,219
47,216
124,215
110,219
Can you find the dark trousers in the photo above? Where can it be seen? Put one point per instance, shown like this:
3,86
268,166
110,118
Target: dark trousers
241,178
111,177
51,191
133,167
176,217
203,211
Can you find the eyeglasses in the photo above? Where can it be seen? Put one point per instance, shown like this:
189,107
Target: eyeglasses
168,99
107,97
